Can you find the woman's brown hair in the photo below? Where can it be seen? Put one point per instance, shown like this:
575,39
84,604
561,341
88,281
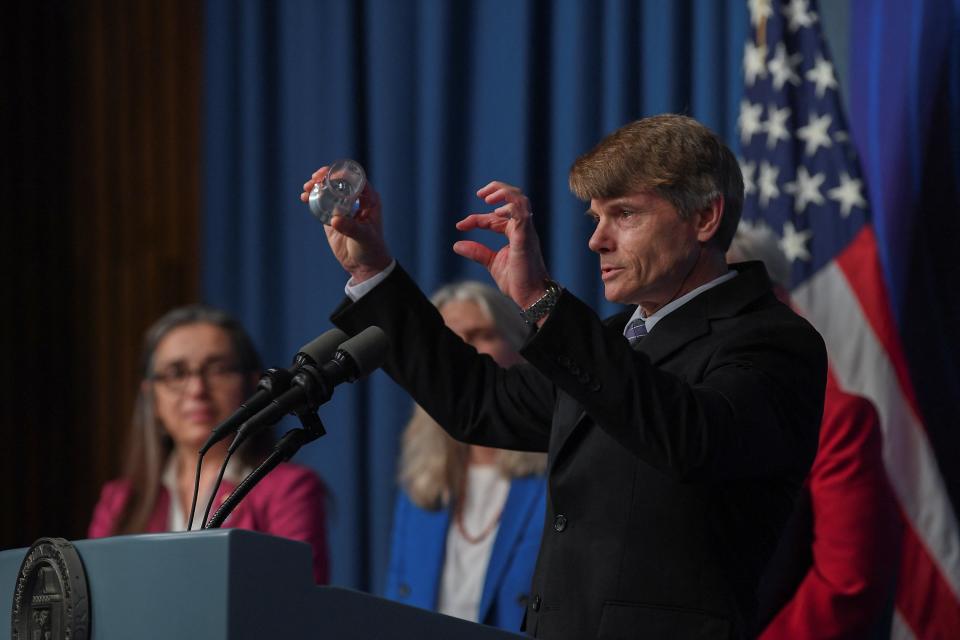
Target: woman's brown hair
148,446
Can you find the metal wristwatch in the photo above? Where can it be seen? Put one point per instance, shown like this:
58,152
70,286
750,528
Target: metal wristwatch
543,305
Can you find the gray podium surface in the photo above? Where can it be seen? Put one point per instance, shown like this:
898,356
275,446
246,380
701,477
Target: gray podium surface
231,584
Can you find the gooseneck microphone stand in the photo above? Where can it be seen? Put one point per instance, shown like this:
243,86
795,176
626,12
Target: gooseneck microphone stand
311,387
285,449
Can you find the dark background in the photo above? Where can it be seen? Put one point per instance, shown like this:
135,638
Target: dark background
101,166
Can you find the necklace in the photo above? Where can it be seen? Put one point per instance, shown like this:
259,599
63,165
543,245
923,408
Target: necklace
458,515
458,520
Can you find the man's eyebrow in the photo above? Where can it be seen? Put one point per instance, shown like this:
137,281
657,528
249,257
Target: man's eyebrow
624,201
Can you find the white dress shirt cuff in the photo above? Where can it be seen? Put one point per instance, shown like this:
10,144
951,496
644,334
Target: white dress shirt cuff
357,291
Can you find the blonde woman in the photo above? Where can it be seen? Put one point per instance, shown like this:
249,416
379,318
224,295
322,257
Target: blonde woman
468,519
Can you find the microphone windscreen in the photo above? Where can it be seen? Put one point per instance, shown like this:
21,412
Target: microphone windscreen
322,348
367,349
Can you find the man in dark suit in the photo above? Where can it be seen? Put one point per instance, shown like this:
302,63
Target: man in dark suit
676,451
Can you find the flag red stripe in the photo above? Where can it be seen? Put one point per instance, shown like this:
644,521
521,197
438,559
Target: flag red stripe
856,343
860,263
925,601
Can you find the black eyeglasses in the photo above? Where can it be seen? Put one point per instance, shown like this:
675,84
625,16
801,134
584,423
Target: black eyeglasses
214,373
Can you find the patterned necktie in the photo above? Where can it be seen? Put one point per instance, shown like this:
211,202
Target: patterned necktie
635,331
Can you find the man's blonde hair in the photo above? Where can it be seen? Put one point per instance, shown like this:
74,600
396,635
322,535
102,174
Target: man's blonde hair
672,156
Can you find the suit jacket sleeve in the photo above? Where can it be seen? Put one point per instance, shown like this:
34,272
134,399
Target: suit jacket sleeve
743,399
465,392
855,530
752,408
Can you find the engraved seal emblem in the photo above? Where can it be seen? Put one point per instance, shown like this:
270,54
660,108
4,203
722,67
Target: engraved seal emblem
50,598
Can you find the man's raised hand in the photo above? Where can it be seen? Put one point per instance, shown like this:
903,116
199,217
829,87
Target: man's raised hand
357,242
518,267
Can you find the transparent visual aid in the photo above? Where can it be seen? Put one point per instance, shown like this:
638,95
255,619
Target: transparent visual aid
339,191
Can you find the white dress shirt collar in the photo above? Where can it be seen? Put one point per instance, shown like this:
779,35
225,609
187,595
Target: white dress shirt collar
651,320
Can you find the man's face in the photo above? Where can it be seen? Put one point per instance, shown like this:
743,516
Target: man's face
646,250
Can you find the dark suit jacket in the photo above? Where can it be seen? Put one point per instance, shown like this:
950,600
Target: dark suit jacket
419,541
672,469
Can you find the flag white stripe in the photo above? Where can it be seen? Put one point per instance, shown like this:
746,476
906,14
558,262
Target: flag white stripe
862,366
899,629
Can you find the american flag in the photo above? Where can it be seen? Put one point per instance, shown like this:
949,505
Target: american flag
802,180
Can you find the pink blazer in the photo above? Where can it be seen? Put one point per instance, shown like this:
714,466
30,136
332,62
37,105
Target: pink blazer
289,502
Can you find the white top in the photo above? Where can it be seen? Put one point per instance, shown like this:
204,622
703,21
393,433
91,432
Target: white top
673,305
177,516
465,562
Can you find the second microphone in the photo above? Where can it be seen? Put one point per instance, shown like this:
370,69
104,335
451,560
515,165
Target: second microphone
313,385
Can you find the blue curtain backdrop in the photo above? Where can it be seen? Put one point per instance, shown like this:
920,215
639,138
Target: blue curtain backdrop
435,98
905,120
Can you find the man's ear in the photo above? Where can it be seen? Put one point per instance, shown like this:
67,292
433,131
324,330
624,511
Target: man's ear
708,220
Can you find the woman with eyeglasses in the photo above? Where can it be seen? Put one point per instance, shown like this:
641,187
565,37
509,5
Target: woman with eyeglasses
198,366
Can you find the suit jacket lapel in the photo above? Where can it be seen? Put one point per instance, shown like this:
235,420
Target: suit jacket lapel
692,320
665,339
569,412
673,332
679,328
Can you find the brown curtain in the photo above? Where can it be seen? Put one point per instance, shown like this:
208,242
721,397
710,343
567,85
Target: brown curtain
101,159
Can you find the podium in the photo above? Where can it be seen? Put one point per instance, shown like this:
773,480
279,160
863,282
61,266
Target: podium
228,583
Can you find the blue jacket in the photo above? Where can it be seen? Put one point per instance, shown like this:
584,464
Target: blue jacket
419,542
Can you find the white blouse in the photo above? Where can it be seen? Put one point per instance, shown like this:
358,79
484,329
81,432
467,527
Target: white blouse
465,562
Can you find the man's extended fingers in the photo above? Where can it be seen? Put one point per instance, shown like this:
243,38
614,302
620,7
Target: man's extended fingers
307,188
504,194
513,210
474,251
315,177
492,221
488,188
470,222
347,226
498,196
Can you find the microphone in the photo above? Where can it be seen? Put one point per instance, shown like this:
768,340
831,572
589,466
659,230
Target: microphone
313,385
275,381
320,348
